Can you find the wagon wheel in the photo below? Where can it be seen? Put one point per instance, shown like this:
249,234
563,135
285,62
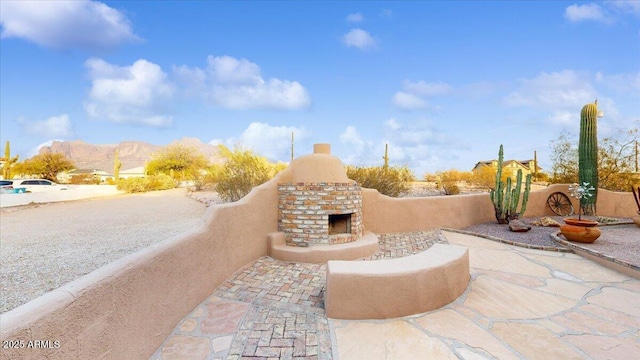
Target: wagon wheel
560,204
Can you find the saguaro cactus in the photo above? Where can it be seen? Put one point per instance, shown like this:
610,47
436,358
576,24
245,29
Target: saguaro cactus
588,155
505,199
8,161
386,156
117,165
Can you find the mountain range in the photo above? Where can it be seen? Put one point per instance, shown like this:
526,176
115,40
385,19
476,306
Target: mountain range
132,154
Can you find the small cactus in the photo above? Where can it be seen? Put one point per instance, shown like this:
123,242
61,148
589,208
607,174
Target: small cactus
505,199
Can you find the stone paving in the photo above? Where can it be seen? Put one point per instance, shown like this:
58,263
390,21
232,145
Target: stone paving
520,304
271,309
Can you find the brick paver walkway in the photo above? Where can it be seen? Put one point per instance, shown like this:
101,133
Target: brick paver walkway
272,309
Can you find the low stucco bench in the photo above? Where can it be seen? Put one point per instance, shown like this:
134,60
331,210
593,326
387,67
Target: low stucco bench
385,289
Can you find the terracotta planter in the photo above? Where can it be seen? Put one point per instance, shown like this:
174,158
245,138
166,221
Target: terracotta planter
583,231
576,222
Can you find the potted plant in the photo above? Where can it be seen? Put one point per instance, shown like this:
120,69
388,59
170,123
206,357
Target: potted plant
580,230
636,197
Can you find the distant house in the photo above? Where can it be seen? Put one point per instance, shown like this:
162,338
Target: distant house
527,166
67,176
133,172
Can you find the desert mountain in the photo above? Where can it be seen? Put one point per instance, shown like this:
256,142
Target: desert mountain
131,153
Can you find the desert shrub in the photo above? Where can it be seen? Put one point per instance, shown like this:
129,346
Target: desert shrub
484,177
242,171
133,185
111,181
83,179
448,180
149,183
179,161
160,182
391,181
450,188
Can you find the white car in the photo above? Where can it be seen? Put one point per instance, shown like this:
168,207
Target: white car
37,185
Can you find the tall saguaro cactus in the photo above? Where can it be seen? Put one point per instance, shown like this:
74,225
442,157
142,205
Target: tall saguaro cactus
505,199
386,156
588,155
117,165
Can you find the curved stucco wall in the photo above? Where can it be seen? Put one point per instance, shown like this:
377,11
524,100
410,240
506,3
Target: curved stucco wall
383,214
127,308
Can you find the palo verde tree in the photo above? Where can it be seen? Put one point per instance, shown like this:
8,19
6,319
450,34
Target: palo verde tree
179,161
46,166
241,171
392,181
8,161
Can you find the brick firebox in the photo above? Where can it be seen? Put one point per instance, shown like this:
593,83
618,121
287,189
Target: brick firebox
320,213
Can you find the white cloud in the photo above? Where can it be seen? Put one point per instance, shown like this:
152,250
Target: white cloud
359,38
36,150
564,89
414,93
592,11
392,124
272,142
628,84
406,101
238,84
630,6
136,94
427,89
351,137
355,18
66,24
563,118
55,126
418,145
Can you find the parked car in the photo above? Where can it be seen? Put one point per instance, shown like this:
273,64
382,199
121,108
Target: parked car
35,185
6,187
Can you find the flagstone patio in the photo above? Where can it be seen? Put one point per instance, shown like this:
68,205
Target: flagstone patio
520,304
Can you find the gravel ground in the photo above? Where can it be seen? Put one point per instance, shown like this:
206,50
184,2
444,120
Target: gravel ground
618,241
45,246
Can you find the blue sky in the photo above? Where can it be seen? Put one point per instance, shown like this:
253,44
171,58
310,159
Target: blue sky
443,83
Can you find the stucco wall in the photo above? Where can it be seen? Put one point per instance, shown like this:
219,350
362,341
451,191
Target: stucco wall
125,309
383,214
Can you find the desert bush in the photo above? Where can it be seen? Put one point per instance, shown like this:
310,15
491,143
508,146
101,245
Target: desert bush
133,185
484,177
149,183
46,166
391,181
242,171
160,182
179,161
448,180
83,179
